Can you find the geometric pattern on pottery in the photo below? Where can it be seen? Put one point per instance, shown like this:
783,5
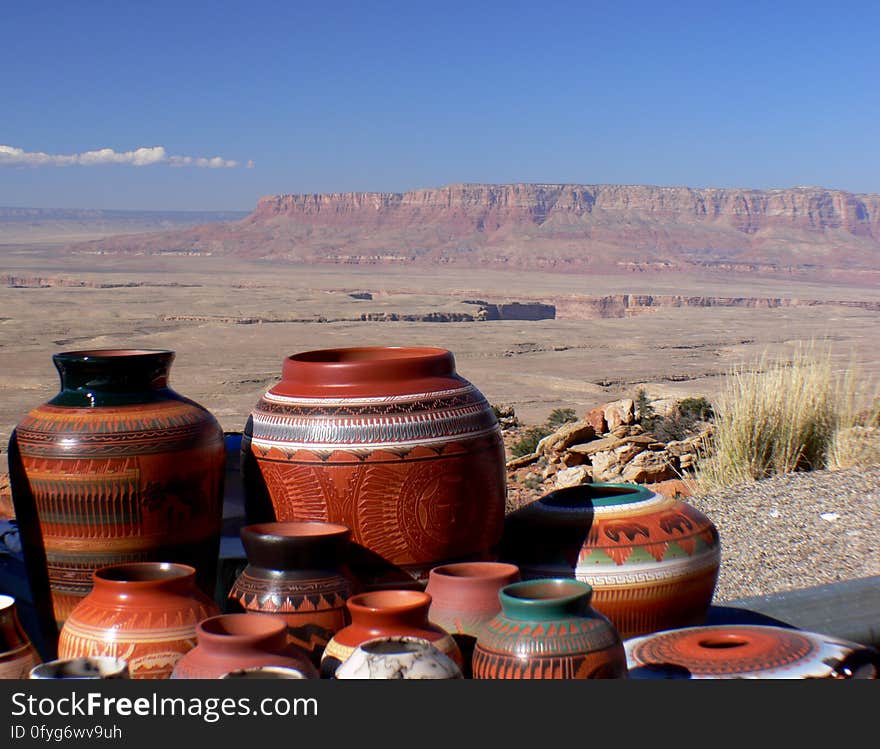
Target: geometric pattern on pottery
740,651
314,609
151,642
659,529
107,493
553,637
392,421
489,664
423,506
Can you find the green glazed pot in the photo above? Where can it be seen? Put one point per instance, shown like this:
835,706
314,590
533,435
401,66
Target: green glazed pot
547,629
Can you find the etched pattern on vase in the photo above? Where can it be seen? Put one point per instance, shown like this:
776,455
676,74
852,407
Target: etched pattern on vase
408,474
121,484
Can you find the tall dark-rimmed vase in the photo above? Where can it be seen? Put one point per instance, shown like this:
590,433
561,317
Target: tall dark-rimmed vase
297,570
389,441
116,468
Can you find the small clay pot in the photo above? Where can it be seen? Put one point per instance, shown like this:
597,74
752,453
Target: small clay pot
398,658
87,667
297,570
144,612
17,653
547,629
464,598
386,613
231,642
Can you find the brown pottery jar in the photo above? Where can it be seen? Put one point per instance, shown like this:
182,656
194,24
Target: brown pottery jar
145,613
233,642
464,598
386,613
297,570
17,653
390,442
116,468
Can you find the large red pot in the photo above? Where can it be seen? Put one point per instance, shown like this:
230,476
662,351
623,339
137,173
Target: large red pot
390,442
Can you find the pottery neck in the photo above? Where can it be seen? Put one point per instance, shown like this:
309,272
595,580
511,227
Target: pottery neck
368,371
384,609
470,579
280,547
12,634
112,377
546,599
130,584
242,633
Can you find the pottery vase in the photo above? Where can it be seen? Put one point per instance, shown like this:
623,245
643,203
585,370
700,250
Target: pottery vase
116,468
233,642
464,598
389,441
386,613
740,651
144,612
547,629
398,658
297,570
17,653
652,561
85,667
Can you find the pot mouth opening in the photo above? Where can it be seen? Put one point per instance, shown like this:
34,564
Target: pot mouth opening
723,642
265,672
243,625
397,646
116,353
476,570
382,600
297,528
84,667
549,590
6,602
144,572
366,354
587,496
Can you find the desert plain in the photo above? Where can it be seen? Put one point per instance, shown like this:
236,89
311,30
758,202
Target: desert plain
232,321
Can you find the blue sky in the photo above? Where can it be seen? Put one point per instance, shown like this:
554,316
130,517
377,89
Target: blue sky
389,96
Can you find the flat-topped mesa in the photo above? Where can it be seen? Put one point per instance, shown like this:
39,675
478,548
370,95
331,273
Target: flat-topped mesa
561,228
747,210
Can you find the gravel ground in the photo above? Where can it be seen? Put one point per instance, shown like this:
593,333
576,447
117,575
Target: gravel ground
796,531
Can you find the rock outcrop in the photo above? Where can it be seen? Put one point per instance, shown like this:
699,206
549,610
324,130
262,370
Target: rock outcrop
608,445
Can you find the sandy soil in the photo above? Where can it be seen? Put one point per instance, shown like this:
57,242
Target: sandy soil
199,307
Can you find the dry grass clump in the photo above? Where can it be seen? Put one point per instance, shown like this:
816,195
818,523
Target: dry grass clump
788,415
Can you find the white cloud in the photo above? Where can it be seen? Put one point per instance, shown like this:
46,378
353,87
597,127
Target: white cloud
144,156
